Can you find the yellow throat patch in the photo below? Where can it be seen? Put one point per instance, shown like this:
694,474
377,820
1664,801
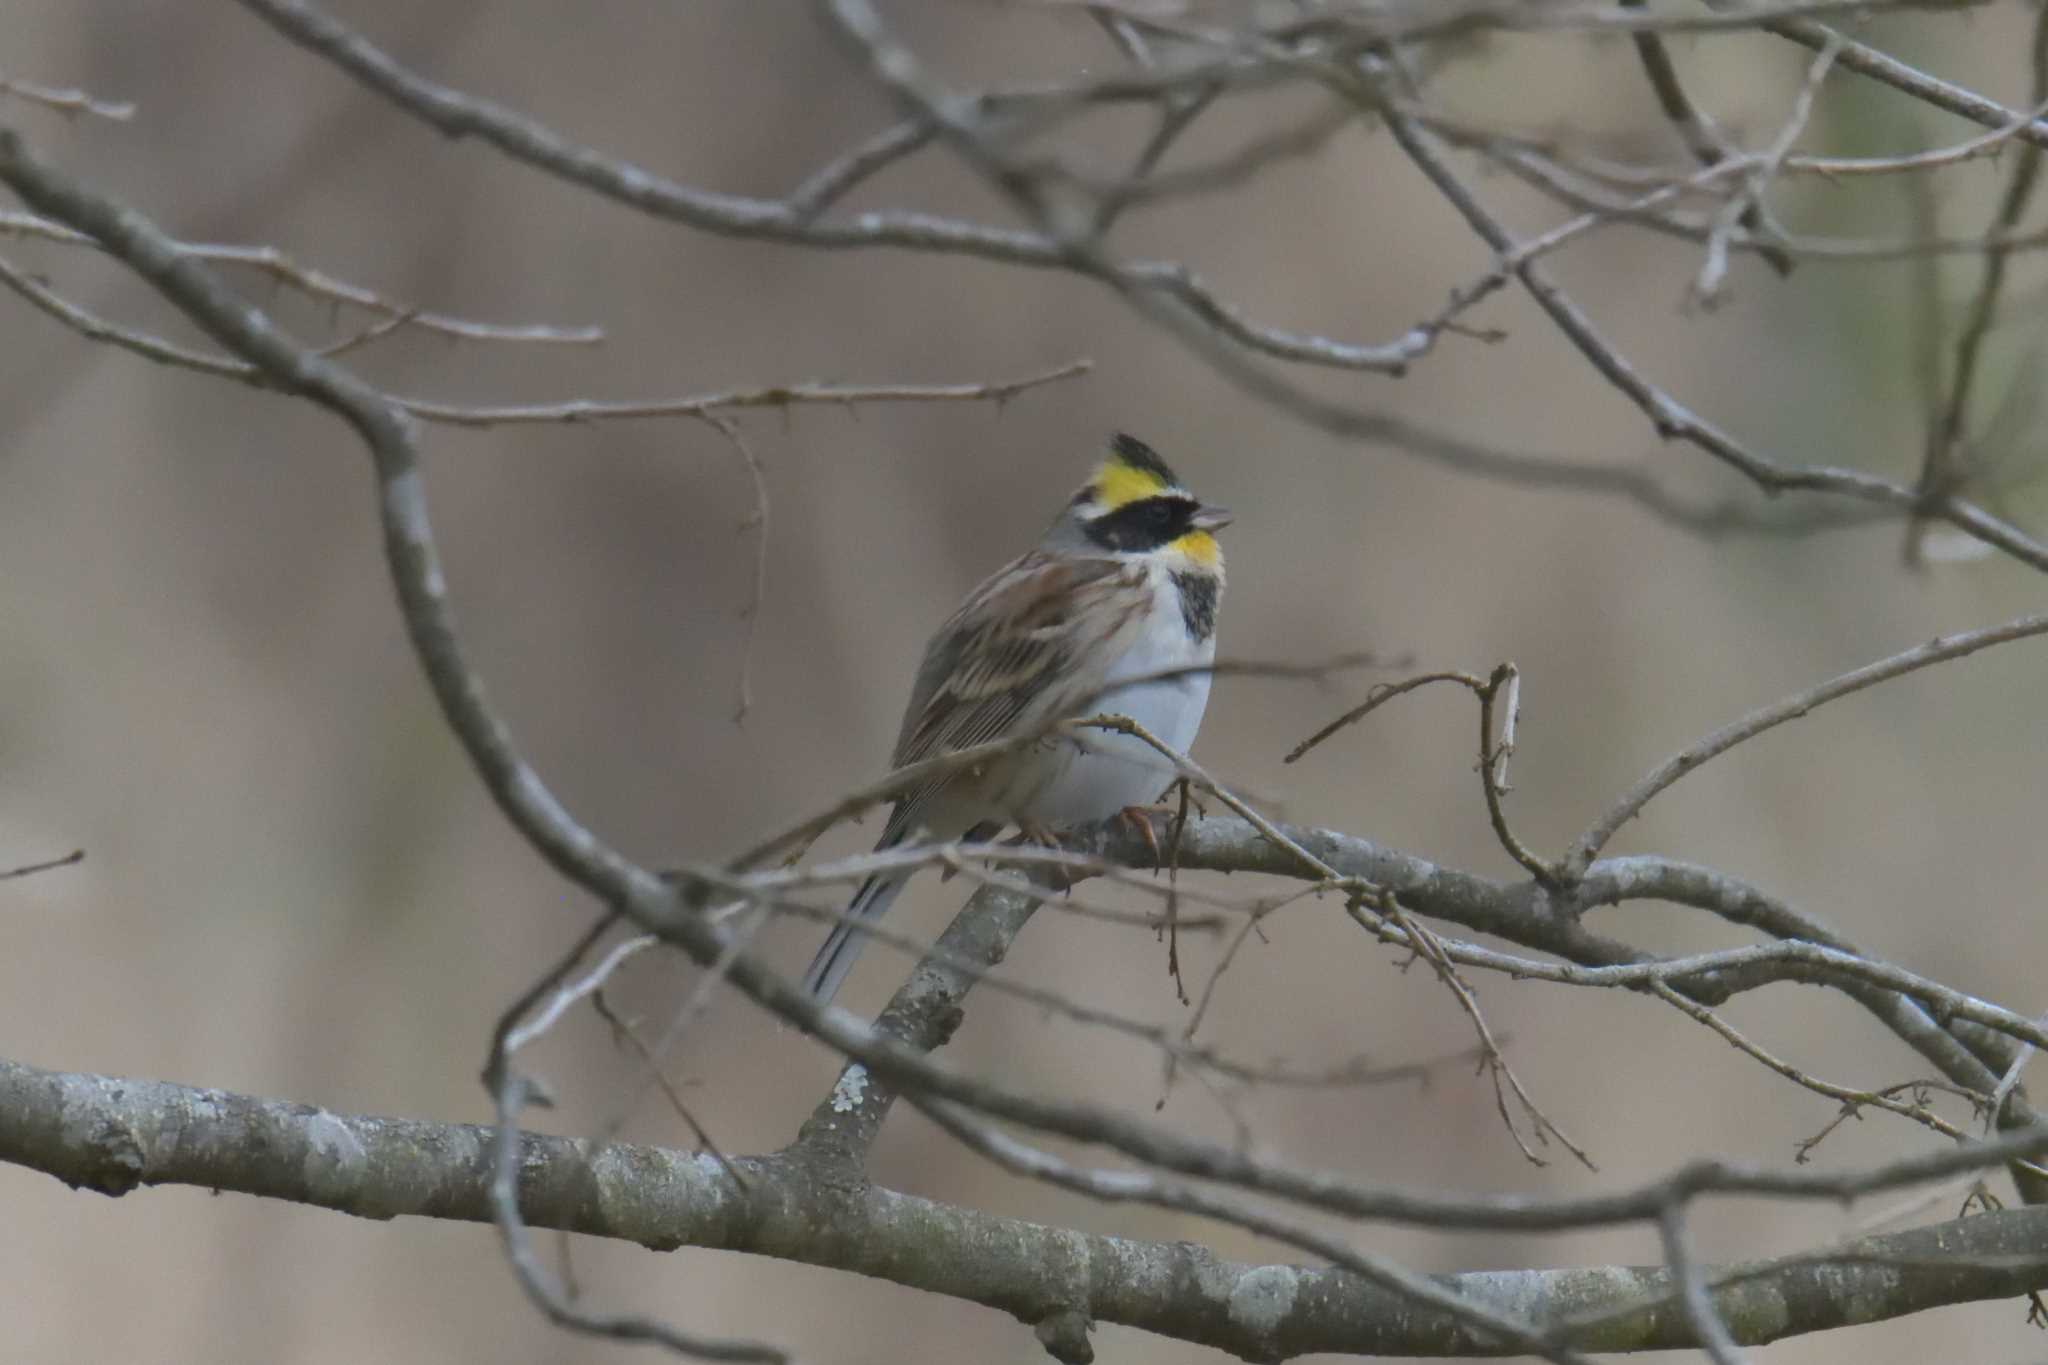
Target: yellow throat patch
1200,547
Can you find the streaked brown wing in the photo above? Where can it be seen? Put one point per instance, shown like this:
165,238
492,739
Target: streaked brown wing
1020,629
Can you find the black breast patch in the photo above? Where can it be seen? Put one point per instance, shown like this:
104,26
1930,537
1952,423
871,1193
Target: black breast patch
1197,603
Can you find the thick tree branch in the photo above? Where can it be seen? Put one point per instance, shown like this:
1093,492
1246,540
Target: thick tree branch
114,1136
922,1015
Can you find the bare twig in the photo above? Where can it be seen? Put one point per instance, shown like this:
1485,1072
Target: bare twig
94,328
687,1013
1699,137
810,393
623,1030
1501,692
77,855
529,141
1850,1100
1694,1297
757,522
1938,650
704,406
832,182
1499,1071
1745,207
1377,697
318,285
1920,1091
1940,464
1672,419
67,102
546,1292
1879,66
565,997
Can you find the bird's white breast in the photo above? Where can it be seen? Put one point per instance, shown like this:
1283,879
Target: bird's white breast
1106,771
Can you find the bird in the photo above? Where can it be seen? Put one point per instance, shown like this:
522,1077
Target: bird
1112,612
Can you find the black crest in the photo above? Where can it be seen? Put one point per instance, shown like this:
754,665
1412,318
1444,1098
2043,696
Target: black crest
1138,455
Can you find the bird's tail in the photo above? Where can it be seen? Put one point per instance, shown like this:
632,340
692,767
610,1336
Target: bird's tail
835,959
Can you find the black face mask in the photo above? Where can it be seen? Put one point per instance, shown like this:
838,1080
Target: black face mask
1145,524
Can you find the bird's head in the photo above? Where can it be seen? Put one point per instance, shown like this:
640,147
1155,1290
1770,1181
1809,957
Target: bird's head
1134,504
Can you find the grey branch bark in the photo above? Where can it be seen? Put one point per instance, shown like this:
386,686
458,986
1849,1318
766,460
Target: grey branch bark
114,1136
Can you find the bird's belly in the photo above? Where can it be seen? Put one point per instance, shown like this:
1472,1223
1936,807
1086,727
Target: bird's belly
1100,772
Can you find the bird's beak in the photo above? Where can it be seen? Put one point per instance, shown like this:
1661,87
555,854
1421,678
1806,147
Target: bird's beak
1211,519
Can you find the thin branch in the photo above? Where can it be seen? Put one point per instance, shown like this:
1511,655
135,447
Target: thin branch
1939,468
1692,126
651,1062
757,522
511,1093
67,102
1501,692
1505,1081
1229,170
1505,682
1166,291
537,991
75,856
1549,922
1879,66
546,1292
566,996
833,181
1705,1319
705,407
1850,1100
687,1013
1513,148
527,140
1745,207
1674,421
317,284
94,328
1376,698
1382,25
1631,802
413,559
809,393
1545,173
1359,892
972,965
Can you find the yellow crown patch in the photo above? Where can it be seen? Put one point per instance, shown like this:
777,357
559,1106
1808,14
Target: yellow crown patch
1117,484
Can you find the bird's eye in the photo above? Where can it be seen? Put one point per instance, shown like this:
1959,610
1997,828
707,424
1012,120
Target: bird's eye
1160,516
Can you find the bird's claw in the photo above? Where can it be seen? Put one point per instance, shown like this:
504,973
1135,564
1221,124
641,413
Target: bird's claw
1139,818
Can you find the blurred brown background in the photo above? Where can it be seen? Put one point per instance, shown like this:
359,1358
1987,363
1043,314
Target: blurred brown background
294,886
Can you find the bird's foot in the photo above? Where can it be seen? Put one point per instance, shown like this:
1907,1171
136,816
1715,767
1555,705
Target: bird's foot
1045,836
1031,832
1139,818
